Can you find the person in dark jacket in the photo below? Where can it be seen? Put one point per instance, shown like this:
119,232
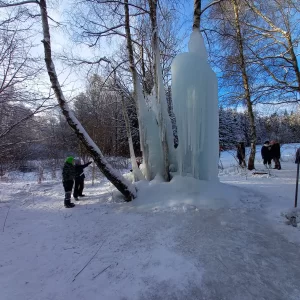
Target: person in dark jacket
68,176
241,154
266,154
297,160
275,152
220,150
79,179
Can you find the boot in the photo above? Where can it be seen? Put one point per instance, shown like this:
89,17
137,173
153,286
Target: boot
68,204
71,204
83,195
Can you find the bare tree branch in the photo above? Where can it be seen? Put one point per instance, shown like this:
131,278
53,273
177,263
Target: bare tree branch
5,4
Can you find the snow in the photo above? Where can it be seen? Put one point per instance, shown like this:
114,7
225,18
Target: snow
187,239
185,193
195,101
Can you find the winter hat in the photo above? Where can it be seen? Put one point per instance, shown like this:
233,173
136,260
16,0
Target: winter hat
267,142
70,159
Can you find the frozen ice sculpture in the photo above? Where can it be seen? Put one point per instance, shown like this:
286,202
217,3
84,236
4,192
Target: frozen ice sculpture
195,101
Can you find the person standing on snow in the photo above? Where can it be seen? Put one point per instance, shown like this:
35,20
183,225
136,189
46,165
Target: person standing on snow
220,150
275,153
68,176
241,154
79,179
297,160
266,154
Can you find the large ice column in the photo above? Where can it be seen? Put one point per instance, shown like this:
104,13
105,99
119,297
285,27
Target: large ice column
195,100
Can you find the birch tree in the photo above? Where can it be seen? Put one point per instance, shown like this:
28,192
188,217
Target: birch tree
244,72
230,39
117,180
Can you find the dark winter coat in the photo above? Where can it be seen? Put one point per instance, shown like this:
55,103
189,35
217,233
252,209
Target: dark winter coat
68,172
297,161
79,170
266,152
275,151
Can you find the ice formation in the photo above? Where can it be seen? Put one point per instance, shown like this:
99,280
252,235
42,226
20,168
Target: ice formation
195,101
163,110
151,144
157,142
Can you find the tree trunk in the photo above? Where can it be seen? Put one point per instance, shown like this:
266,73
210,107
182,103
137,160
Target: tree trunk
251,159
197,14
135,90
117,180
93,173
138,175
162,122
246,86
294,59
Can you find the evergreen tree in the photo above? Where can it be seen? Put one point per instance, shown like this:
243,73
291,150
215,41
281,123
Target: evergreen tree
227,125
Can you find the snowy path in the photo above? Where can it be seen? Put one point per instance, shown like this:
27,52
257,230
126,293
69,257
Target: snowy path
211,254
277,193
249,261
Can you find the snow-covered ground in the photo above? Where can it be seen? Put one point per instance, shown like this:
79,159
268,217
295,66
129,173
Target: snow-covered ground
181,240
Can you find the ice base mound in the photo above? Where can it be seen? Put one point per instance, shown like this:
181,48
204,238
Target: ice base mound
186,193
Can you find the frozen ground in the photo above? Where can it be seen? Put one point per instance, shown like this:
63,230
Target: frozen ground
182,240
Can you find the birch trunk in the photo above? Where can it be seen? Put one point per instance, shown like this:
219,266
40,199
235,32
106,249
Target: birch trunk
93,173
117,180
197,14
136,83
138,175
246,86
293,59
159,93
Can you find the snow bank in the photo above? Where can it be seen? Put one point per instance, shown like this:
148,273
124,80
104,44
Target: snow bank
185,193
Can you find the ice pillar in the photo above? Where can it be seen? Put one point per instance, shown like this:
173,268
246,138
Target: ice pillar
195,102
